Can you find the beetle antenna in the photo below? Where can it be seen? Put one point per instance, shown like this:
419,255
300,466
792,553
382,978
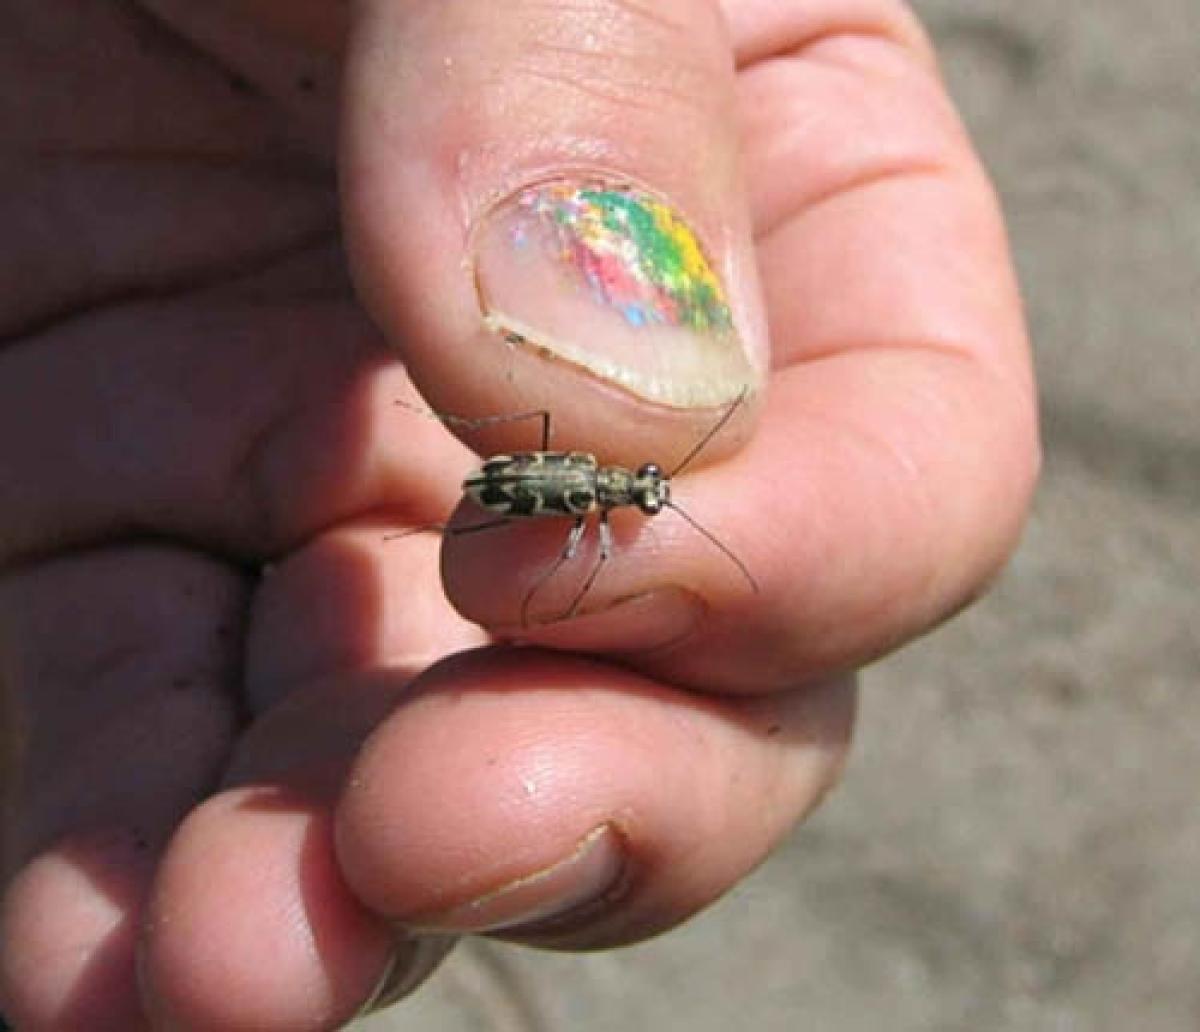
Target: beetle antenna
699,447
716,541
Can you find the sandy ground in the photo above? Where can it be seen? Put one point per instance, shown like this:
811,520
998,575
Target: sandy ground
1017,844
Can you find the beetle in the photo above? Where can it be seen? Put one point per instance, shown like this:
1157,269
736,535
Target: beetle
574,484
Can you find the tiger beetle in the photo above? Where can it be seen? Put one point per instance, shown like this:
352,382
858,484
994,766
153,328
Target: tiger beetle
528,485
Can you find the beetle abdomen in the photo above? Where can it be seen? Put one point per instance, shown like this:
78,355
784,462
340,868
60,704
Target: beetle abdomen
535,484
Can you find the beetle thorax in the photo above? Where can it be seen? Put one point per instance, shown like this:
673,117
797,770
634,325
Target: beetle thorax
647,489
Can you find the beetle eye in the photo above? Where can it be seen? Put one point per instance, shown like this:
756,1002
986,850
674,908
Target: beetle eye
649,470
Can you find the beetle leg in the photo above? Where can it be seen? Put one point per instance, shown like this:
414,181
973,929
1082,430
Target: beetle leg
487,525
516,417
565,556
605,552
485,421
440,527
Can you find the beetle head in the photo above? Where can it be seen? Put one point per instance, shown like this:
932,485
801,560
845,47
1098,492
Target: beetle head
651,490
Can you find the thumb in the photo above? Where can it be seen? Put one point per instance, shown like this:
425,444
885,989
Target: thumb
544,212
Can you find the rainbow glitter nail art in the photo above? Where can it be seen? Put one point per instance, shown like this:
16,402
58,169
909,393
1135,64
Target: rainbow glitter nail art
609,278
632,252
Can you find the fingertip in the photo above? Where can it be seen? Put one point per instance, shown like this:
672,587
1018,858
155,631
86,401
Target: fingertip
68,935
249,876
552,800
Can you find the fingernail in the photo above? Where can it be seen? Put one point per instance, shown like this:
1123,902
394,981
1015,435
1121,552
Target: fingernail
412,961
607,277
593,874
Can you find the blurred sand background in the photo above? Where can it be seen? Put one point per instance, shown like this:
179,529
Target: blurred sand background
1017,843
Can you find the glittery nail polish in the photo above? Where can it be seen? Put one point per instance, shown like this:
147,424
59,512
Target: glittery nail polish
614,280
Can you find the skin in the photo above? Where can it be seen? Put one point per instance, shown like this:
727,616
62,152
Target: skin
252,753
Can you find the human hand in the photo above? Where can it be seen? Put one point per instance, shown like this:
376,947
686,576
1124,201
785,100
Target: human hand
190,391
